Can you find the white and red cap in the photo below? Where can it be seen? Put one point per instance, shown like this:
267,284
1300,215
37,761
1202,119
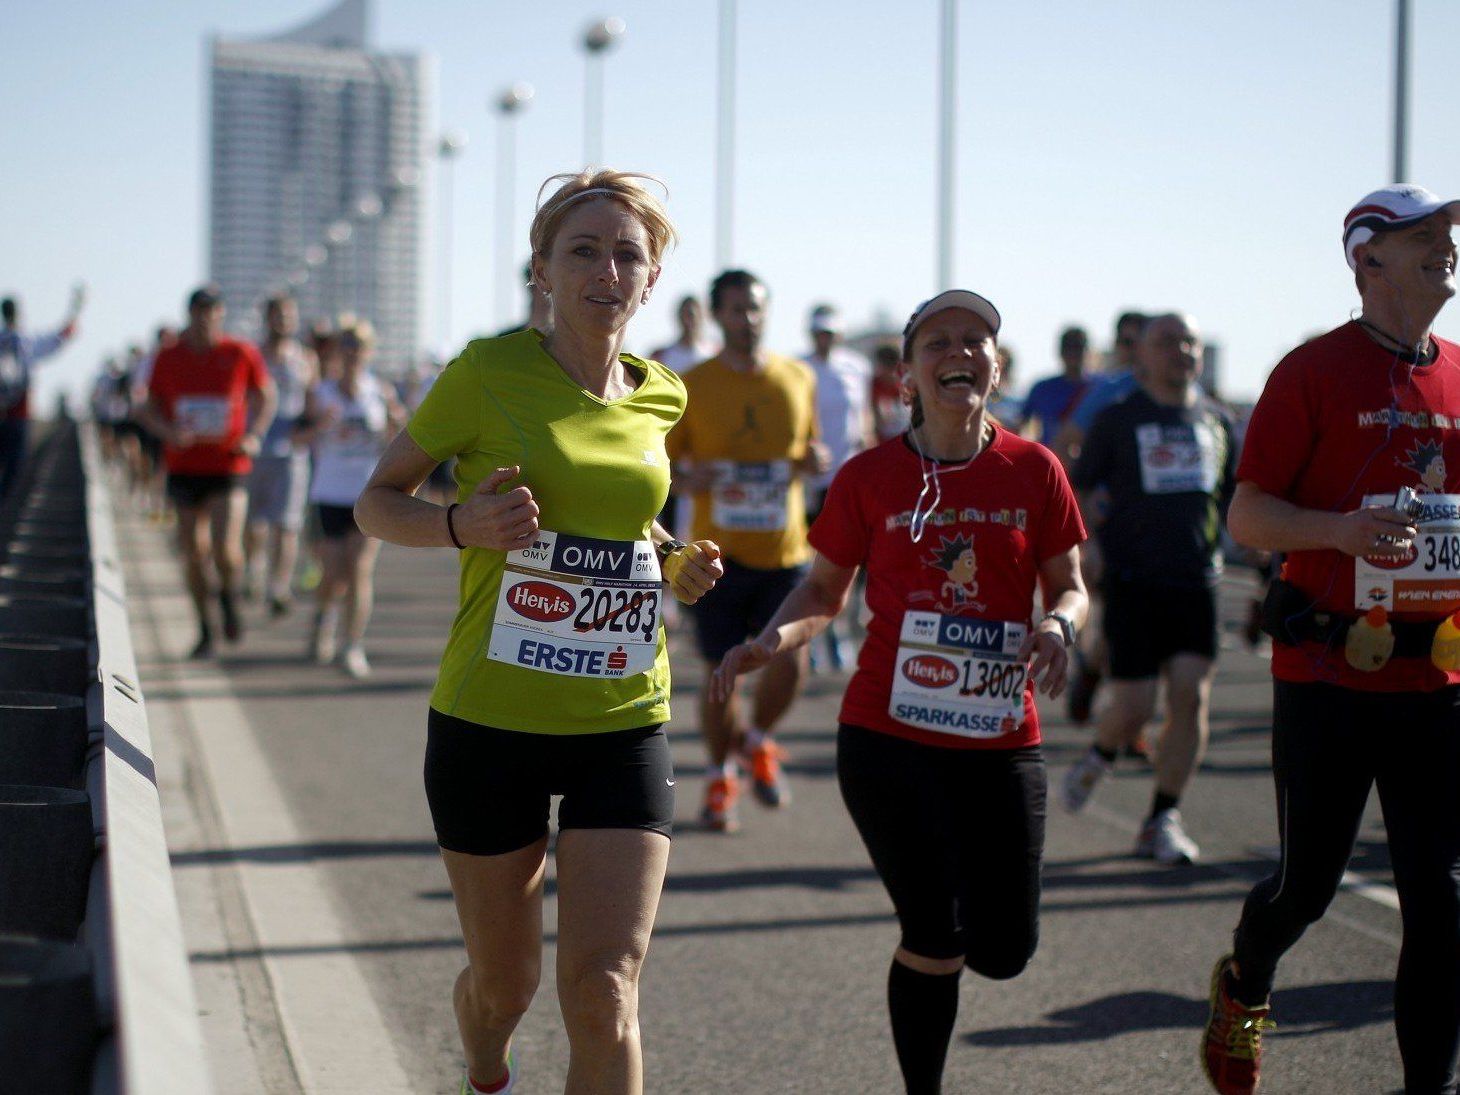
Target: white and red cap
950,298
1396,206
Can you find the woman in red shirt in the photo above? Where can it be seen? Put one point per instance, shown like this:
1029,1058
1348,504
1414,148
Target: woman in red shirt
938,755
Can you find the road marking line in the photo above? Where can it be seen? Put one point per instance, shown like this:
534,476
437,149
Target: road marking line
337,1039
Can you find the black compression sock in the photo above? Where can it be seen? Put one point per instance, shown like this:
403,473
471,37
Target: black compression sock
1163,801
923,1007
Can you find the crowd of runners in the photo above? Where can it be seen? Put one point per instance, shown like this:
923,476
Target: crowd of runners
996,548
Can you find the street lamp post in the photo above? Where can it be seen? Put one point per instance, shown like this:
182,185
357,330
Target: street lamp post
509,104
447,150
1401,91
947,116
725,140
598,39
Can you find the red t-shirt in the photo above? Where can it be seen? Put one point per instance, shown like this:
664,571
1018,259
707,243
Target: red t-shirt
1000,517
205,392
1343,423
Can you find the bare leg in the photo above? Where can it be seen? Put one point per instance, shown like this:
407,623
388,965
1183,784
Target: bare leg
499,903
780,682
360,555
717,721
194,543
1184,738
609,881
227,513
1129,706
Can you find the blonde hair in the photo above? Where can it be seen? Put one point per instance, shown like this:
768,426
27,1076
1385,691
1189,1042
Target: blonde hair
361,329
621,186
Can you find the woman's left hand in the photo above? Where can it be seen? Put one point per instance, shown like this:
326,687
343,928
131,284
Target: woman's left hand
693,570
1050,664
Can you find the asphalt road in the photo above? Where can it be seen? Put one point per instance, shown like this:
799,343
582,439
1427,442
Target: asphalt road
768,967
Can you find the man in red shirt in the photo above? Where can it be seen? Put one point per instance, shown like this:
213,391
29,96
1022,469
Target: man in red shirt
210,400
1352,426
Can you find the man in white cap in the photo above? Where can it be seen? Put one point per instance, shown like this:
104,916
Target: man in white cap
1351,466
844,411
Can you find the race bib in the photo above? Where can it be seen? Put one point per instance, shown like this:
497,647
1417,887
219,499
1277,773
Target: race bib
1177,458
575,606
1427,578
750,497
959,675
204,416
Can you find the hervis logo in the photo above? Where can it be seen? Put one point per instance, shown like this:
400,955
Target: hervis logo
1393,562
930,671
540,601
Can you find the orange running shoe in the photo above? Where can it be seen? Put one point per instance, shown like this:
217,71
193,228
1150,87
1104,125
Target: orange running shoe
721,812
766,778
1231,1051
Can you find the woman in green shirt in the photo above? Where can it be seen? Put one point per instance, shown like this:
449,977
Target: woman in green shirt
555,679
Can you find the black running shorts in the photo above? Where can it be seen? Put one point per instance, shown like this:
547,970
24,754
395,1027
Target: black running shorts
740,605
192,491
489,789
1146,625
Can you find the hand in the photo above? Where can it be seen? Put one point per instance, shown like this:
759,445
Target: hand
1375,530
817,460
78,299
744,658
1051,658
180,438
693,570
249,444
502,522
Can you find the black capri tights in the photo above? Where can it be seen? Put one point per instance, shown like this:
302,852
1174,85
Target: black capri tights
957,836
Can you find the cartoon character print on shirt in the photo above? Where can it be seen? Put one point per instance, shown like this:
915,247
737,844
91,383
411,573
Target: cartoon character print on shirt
1427,460
956,560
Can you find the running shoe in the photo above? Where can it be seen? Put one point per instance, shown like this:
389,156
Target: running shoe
1140,749
232,621
354,662
322,640
1164,839
1081,779
507,1082
279,607
766,778
721,812
204,648
1231,1048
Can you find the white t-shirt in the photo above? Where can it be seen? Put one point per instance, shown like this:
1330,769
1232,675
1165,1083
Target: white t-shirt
843,392
346,453
682,359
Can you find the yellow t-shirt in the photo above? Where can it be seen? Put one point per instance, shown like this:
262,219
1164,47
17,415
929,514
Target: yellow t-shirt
564,637
752,427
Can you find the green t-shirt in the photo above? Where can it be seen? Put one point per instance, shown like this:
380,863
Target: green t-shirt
599,473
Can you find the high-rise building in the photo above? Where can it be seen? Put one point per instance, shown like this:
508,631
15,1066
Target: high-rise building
318,154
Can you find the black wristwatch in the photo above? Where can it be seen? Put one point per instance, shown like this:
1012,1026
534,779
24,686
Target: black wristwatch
1067,626
669,547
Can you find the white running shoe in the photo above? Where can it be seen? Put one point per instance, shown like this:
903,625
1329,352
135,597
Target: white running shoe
355,662
1164,839
1080,780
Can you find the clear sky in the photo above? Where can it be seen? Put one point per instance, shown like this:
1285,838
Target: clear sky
1133,153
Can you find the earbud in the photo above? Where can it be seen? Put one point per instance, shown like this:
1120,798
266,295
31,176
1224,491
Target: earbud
1370,260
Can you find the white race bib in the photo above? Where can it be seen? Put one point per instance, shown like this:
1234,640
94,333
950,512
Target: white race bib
1425,579
958,675
575,606
1177,458
204,416
750,497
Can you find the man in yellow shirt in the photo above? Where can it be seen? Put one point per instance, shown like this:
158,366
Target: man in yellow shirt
747,440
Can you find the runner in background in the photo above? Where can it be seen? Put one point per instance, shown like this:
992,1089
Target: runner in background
350,421
1052,400
278,487
210,400
19,354
745,447
694,343
938,754
844,417
151,478
1365,660
890,411
1155,476
1113,383
555,680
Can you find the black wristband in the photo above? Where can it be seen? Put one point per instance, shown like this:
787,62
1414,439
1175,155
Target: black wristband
451,528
